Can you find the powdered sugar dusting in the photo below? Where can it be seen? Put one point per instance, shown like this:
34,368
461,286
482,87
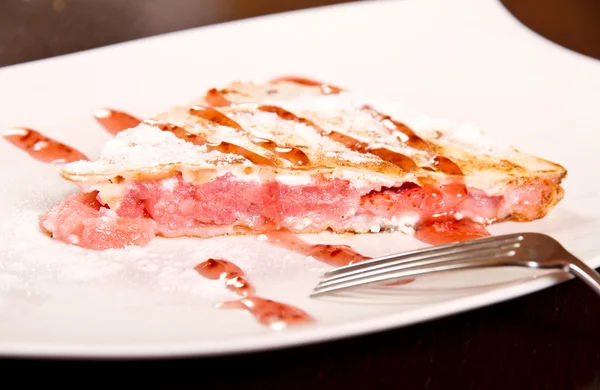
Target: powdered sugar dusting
145,147
271,126
164,267
344,101
343,112
464,135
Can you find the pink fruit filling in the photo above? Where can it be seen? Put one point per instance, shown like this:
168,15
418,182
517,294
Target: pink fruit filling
81,220
227,205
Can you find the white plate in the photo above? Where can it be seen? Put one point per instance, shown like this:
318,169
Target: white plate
468,60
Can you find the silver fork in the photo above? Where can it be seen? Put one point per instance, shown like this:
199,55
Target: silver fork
531,250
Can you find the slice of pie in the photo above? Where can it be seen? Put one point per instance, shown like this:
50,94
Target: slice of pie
298,155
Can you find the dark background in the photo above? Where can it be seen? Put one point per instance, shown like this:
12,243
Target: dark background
34,29
547,340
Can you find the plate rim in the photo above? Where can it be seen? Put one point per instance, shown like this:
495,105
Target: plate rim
295,338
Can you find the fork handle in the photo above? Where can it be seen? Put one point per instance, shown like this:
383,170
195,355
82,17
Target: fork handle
585,273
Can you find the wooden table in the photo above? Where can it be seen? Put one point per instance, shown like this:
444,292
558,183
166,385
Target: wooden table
547,340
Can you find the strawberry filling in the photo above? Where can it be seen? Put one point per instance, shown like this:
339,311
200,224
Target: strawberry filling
173,207
410,198
81,220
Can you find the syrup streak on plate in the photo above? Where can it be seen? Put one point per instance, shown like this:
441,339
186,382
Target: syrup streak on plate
275,315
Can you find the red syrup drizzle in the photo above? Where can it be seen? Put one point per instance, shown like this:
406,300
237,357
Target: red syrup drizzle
292,154
404,162
440,232
334,255
42,148
115,121
446,228
409,137
197,139
233,276
216,98
400,282
275,315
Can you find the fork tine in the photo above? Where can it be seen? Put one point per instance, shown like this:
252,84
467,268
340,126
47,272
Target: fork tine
422,258
426,252
415,262
532,250
403,273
